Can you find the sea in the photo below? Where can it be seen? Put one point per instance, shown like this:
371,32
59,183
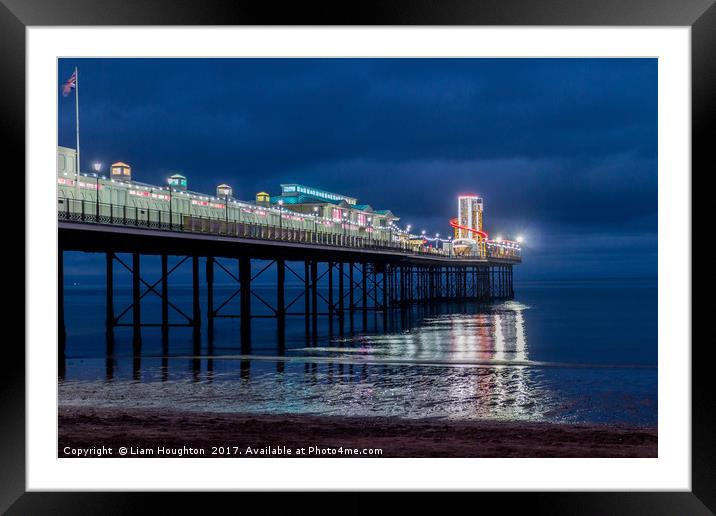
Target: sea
562,351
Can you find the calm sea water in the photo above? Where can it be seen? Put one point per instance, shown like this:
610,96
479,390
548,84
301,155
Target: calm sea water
561,351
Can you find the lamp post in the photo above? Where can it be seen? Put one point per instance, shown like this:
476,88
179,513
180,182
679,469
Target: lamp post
345,222
280,217
315,222
370,231
97,167
171,220
437,236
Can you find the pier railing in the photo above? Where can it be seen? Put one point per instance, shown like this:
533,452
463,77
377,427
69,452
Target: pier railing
92,212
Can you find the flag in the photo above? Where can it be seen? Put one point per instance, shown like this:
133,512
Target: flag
70,84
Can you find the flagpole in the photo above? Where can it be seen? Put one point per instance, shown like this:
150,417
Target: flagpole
77,130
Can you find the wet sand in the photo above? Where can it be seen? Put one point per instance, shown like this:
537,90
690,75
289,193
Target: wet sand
274,435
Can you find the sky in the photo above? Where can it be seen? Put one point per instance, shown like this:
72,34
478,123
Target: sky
563,151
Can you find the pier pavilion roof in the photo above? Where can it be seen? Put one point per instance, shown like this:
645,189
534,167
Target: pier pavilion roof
297,195
389,214
307,199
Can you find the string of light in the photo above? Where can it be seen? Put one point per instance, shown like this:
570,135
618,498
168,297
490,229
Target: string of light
281,211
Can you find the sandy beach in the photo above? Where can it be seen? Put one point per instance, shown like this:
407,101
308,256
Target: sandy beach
93,432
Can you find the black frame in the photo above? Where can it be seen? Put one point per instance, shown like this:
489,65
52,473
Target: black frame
16,15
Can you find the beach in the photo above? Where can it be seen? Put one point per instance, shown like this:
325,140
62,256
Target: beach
93,432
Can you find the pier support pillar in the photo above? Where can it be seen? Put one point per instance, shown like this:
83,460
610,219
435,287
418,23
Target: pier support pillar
61,330
503,274
438,283
411,284
165,304
402,285
245,293
196,311
330,291
341,298
109,303
364,287
210,299
501,279
448,283
136,307
488,282
463,274
512,282
491,281
364,294
331,307
385,290
314,298
307,296
281,300
502,282
351,302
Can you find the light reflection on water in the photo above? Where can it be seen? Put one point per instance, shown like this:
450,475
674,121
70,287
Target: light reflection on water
443,365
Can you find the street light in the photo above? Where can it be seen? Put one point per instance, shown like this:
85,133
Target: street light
280,217
97,167
345,224
370,230
171,189
407,231
315,222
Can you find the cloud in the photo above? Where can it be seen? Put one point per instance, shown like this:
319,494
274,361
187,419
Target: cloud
565,146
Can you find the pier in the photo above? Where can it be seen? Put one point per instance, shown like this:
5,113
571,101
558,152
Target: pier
340,276
347,257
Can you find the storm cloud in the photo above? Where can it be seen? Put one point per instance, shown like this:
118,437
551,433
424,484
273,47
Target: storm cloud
563,151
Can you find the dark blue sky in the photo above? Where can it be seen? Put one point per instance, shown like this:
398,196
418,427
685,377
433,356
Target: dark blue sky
564,151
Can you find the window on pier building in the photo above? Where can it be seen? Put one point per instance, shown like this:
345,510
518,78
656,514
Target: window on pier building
361,219
336,213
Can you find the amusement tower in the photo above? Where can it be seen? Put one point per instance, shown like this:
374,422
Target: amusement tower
470,239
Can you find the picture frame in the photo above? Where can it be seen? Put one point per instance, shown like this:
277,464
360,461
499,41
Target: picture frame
17,15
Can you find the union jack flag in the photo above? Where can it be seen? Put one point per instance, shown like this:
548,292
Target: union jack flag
70,84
